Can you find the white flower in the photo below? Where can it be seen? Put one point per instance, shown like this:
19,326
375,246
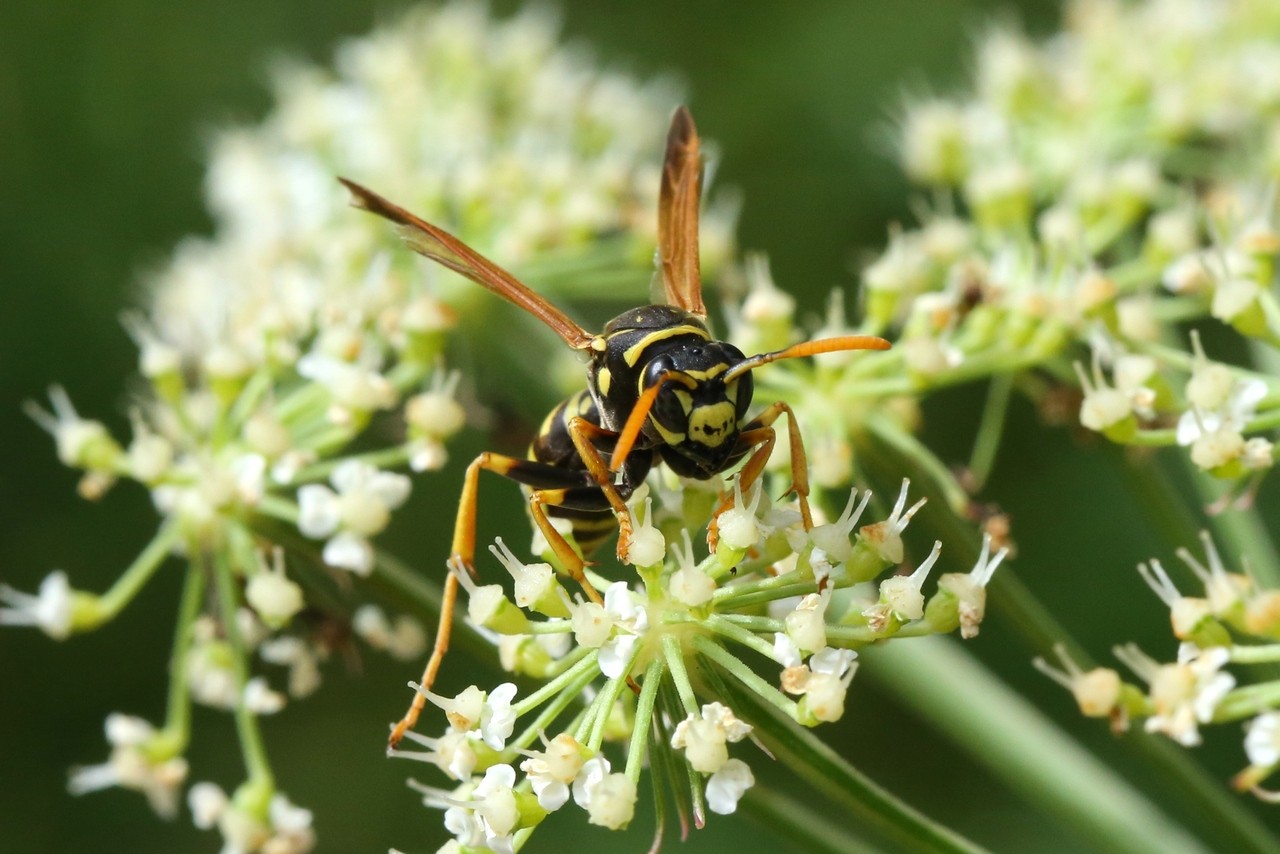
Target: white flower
356,390
271,594
610,801
81,443
833,539
592,625
50,610
287,829
1184,694
648,545
405,639
727,785
900,595
689,585
301,659
806,625
206,802
432,417
211,673
553,771
463,711
739,528
592,772
497,718
260,699
133,766
535,583
494,803
1096,692
360,508
703,737
630,620
970,589
453,752
886,537
291,826
1262,740
1103,407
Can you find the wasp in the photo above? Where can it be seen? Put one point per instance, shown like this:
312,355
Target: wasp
660,390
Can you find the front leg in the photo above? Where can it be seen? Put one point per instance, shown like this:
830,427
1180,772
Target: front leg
758,438
583,432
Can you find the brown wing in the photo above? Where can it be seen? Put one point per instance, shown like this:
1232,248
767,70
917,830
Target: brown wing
678,216
442,247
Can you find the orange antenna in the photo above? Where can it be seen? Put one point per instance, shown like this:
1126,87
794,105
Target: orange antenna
808,348
635,421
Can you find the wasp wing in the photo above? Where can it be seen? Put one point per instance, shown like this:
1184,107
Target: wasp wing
678,216
442,247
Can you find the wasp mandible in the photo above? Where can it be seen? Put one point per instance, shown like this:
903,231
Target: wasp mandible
660,389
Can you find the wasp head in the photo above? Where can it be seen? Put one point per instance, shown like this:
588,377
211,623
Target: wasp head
697,415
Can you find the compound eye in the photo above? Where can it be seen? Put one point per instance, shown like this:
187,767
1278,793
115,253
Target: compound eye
670,409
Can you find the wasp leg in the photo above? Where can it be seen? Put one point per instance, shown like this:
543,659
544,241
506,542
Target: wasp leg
582,432
760,435
534,474
569,559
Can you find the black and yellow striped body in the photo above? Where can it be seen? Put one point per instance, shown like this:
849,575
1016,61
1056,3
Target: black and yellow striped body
568,486
693,427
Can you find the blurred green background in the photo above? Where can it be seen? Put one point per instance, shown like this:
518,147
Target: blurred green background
104,109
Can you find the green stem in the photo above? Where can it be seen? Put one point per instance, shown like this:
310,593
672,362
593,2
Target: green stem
990,430
587,663
1216,815
1006,734
806,828
134,578
762,689
679,675
1247,702
1266,654
735,631
177,723
255,754
644,715
571,693
858,798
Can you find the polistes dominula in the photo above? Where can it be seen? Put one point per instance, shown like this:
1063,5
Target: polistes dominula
660,389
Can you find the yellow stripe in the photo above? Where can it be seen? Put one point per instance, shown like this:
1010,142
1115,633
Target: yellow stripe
633,353
604,379
710,373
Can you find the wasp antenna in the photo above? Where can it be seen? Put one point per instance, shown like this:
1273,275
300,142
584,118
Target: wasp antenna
809,348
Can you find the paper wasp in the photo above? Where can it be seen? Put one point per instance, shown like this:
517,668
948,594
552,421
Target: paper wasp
660,389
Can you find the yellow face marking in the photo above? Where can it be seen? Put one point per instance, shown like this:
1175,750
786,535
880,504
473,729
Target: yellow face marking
710,373
667,436
632,354
712,423
604,379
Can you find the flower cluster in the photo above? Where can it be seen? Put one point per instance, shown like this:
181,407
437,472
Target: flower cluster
1233,620
1087,200
292,361
656,667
